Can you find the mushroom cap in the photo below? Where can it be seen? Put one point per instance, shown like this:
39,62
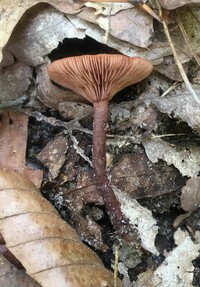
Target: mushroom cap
99,77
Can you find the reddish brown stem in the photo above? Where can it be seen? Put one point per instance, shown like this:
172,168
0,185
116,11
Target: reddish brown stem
99,164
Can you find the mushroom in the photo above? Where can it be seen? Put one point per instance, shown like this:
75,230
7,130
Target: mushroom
98,78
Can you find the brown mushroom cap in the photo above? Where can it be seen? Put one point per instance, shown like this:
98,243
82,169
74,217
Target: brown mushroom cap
99,77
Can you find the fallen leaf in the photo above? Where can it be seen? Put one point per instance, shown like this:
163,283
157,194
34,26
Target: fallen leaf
107,8
177,268
38,32
138,116
13,138
181,105
11,12
169,69
141,219
51,95
132,26
53,155
186,160
190,196
57,254
14,81
75,110
84,192
173,4
138,177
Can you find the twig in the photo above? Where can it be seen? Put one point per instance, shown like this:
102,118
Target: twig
78,149
13,103
177,60
170,89
70,126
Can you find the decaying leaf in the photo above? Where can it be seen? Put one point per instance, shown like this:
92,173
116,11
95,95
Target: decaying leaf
135,114
38,33
140,218
138,177
187,161
57,254
181,105
11,276
11,12
169,69
51,95
14,81
177,268
84,192
53,155
13,138
190,197
107,8
173,4
132,26
74,110
49,249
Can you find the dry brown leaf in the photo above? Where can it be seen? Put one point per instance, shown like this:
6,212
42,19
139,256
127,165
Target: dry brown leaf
84,192
190,197
138,177
173,4
133,26
11,12
48,248
53,155
13,138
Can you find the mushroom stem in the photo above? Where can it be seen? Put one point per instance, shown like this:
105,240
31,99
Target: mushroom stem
99,164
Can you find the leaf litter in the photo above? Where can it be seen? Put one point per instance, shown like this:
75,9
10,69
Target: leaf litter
141,124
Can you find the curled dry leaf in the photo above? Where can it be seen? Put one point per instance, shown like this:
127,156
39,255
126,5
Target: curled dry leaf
190,197
11,12
51,95
57,254
38,32
173,4
122,21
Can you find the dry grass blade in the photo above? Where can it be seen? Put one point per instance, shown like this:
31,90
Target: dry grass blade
116,264
176,57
